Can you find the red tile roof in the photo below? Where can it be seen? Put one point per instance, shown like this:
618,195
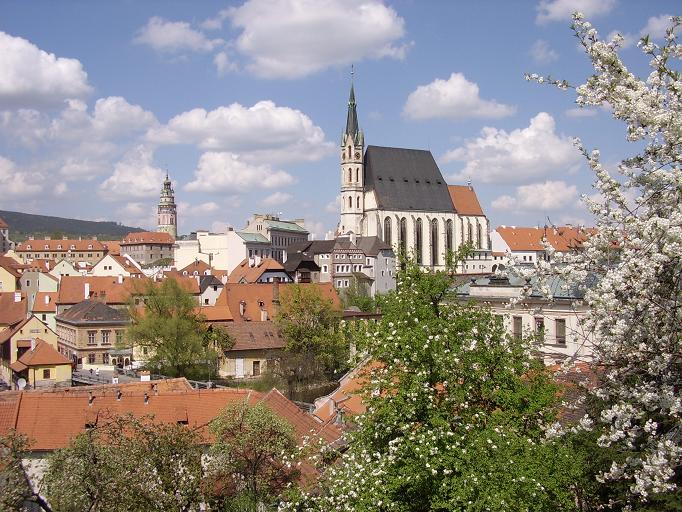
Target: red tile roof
347,398
45,302
245,273
562,238
42,355
148,237
72,288
12,266
255,336
464,200
60,245
12,311
220,312
113,246
200,267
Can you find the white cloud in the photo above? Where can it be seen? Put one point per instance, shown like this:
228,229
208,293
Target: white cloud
174,37
562,10
547,196
317,229
542,53
217,22
18,183
334,206
295,38
454,98
203,208
32,77
628,39
580,112
137,214
656,26
498,156
264,132
134,177
220,172
223,64
277,198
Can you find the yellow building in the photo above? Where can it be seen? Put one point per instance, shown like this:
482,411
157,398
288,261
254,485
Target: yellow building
15,340
9,274
41,366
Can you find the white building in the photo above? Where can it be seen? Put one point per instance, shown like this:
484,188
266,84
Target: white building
114,265
280,233
400,196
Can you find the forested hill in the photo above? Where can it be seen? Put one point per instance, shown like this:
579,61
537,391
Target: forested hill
23,224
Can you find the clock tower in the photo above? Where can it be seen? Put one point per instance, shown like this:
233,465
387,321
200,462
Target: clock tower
167,219
352,173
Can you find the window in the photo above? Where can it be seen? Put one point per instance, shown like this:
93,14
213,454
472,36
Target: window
119,336
256,368
387,230
105,358
325,268
470,233
540,325
357,202
560,327
105,337
448,235
350,175
46,373
517,327
434,242
402,233
418,241
479,236
91,337
350,202
206,302
91,358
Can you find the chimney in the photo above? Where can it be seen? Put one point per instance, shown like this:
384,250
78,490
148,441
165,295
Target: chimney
263,315
47,299
87,291
120,279
33,344
17,296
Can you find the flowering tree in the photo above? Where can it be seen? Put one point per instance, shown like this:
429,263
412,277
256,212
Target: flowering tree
456,414
636,260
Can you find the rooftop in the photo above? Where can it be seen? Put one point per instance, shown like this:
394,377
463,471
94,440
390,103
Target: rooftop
148,237
43,354
93,311
465,200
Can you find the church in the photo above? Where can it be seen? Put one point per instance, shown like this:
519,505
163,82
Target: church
400,196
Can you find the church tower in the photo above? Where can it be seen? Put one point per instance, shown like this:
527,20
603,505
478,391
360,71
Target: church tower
352,173
167,220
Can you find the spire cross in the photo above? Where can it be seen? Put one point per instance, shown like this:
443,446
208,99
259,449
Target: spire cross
352,71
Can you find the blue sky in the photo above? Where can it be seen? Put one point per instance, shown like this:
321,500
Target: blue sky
244,103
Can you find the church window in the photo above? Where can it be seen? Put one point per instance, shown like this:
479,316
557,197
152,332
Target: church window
357,200
434,242
350,175
448,235
350,202
418,241
387,230
470,234
357,175
479,235
403,235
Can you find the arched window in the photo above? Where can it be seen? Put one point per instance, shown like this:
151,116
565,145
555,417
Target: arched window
387,230
403,235
357,175
418,241
470,233
434,242
357,202
448,235
350,175
479,236
350,202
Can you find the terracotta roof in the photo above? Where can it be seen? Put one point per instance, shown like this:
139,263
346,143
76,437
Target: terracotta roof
259,296
198,266
246,273
45,302
42,355
60,245
464,200
72,288
41,265
255,336
12,266
188,283
113,246
220,312
93,311
52,418
7,333
347,397
9,407
3,224
127,264
562,238
12,311
148,237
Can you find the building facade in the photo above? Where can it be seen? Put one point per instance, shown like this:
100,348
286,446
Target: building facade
5,243
147,247
280,233
73,251
167,215
400,196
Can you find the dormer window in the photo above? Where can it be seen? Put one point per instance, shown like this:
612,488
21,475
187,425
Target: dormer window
28,247
89,246
59,247
72,247
47,247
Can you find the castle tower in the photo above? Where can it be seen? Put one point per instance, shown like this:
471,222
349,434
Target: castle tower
167,220
352,173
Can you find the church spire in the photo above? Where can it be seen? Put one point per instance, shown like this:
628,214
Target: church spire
352,118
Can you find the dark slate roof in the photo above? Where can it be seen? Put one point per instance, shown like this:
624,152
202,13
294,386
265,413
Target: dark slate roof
311,247
368,245
406,179
206,281
299,261
92,311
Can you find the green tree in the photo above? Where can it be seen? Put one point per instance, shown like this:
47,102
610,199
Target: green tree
126,464
16,491
357,295
252,460
170,327
316,346
456,418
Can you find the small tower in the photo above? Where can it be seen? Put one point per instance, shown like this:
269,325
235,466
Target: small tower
352,173
167,214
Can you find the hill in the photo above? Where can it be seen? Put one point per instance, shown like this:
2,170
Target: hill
23,224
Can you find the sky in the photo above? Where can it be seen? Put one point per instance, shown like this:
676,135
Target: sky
244,103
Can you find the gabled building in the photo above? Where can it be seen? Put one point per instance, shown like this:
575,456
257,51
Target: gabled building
44,306
116,265
10,273
256,346
210,288
114,291
259,270
19,338
41,366
64,268
88,251
147,247
280,233
13,309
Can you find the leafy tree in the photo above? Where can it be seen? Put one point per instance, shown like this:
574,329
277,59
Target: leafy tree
16,491
173,332
316,347
252,460
636,263
456,414
357,295
127,463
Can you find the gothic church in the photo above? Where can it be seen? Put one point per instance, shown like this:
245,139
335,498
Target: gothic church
400,196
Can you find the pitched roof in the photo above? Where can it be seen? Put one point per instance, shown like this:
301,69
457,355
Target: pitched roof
127,264
255,336
199,266
148,237
300,260
43,354
113,246
406,179
45,302
60,245
206,281
220,312
284,225
41,264
11,310
347,398
12,266
50,419
72,288
312,247
252,237
247,273
93,311
368,245
562,238
464,200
